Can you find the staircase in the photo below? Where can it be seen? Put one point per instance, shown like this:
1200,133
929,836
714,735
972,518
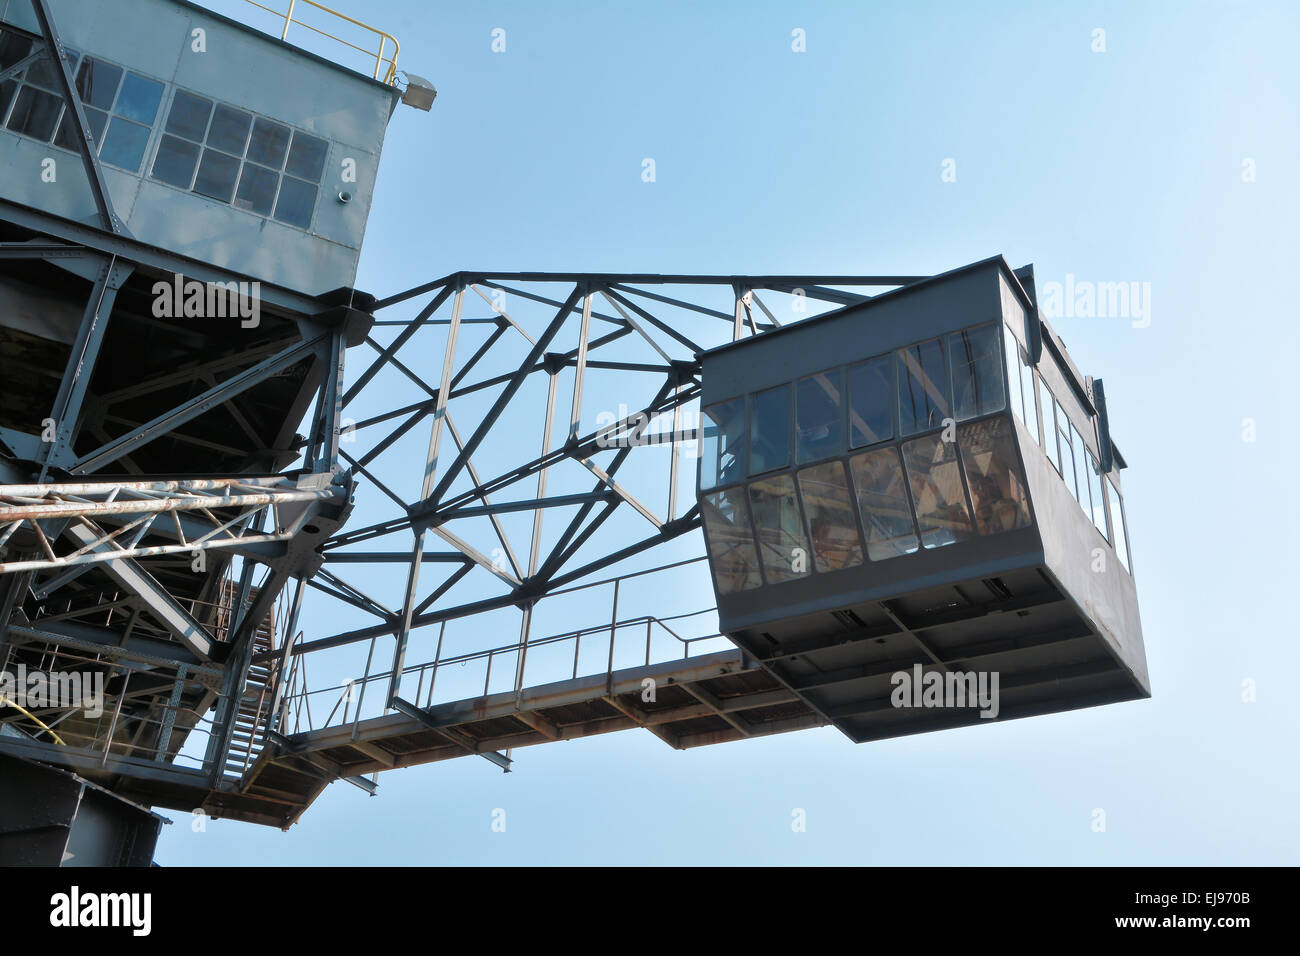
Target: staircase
256,698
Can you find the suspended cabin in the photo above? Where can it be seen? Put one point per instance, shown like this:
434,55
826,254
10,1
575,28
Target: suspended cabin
921,484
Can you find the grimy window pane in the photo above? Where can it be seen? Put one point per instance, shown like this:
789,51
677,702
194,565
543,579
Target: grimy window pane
976,372
229,130
937,489
1067,452
124,144
882,502
43,71
1118,523
1011,353
997,487
189,116
139,98
1031,403
871,404
831,525
175,161
922,387
256,189
769,437
1080,469
723,444
95,119
217,174
817,410
97,83
306,157
13,47
782,544
731,547
295,203
35,113
269,144
1095,492
1049,428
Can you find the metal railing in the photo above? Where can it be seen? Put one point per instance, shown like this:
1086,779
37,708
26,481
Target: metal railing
350,697
389,73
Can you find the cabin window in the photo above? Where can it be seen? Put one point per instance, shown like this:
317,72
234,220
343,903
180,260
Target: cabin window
1095,493
769,433
1031,396
252,162
817,405
723,445
832,529
922,387
997,486
973,356
942,514
871,402
1049,429
1067,452
1016,398
1117,522
731,543
782,543
882,503
1080,469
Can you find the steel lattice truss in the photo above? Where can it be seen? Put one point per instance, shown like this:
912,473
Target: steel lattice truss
624,324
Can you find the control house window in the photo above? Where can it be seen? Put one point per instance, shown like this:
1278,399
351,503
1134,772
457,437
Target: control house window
234,156
120,105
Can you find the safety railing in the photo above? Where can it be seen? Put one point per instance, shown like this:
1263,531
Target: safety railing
347,702
385,66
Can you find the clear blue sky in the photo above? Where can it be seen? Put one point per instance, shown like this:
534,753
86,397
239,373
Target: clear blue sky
1117,166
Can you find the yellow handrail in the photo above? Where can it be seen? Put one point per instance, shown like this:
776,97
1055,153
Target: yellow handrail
30,716
390,73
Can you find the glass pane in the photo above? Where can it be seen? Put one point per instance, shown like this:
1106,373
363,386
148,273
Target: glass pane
1080,469
731,547
1067,451
35,113
1010,352
296,202
922,387
976,372
217,174
66,138
42,72
256,189
189,116
1094,491
1117,521
269,144
831,525
139,98
882,502
1031,401
7,89
782,544
229,130
13,48
937,489
817,410
307,157
124,144
97,83
722,444
175,161
1049,429
770,436
871,406
997,487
